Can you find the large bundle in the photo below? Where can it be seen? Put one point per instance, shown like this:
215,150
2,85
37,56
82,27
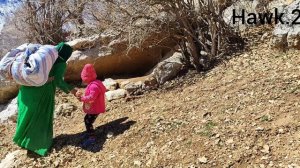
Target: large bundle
29,64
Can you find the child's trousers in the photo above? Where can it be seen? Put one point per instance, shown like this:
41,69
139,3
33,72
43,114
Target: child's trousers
89,119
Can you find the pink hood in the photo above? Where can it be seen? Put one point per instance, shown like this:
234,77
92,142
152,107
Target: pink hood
88,73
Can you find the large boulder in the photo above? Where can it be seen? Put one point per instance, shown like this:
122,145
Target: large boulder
288,35
115,94
249,6
168,68
136,86
110,56
8,90
110,84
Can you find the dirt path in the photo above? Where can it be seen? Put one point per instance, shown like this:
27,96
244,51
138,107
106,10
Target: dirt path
244,113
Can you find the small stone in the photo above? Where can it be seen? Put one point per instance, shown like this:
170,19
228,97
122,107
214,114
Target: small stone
271,164
207,114
203,160
229,141
266,149
110,84
137,163
149,162
281,131
264,36
112,156
204,121
262,166
110,134
149,144
179,139
56,163
259,129
295,165
217,141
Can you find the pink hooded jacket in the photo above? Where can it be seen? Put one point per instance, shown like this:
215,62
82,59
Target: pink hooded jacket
94,97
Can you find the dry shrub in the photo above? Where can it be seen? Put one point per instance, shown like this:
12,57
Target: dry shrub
197,26
45,21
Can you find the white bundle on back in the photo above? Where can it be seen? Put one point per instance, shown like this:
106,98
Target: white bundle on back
29,64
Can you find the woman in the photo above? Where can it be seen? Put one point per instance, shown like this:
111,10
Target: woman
34,130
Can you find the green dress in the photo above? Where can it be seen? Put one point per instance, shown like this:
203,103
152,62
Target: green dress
35,112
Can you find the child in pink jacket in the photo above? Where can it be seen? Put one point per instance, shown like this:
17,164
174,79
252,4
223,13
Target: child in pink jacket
93,101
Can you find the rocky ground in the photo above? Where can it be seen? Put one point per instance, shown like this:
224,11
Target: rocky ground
243,113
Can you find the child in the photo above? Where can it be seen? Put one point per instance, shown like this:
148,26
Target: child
93,101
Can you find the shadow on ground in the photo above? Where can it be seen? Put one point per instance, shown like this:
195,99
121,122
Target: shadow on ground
115,127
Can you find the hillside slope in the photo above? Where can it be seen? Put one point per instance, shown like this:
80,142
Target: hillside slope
242,113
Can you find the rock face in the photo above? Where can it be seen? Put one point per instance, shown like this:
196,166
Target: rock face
8,90
109,54
84,43
10,37
287,35
168,68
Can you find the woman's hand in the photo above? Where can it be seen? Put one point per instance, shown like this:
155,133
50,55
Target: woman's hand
74,91
77,93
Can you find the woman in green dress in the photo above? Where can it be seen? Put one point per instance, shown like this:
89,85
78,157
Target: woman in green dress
34,130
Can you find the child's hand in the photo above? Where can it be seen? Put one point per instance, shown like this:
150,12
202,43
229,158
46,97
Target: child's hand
78,94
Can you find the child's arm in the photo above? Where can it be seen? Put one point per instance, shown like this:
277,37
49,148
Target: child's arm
94,92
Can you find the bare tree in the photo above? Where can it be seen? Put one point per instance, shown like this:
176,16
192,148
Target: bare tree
43,21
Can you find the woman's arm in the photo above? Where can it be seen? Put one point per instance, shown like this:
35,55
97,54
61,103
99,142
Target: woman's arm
59,79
